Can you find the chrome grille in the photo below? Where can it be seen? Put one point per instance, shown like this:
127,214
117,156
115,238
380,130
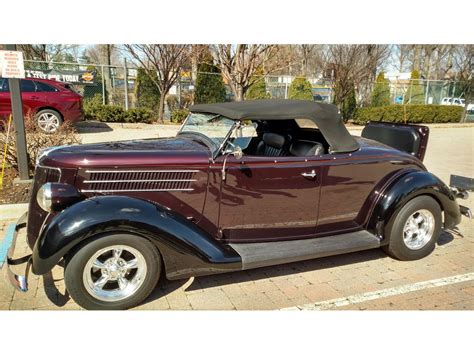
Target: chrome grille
138,180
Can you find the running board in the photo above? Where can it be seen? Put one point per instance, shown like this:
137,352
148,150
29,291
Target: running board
256,255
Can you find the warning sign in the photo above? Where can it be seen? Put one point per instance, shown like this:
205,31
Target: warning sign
11,64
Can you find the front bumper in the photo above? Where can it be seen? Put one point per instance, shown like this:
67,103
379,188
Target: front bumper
7,249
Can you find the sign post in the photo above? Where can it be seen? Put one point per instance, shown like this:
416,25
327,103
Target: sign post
12,67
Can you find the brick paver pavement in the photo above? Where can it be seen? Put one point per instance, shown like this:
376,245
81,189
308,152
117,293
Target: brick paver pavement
449,151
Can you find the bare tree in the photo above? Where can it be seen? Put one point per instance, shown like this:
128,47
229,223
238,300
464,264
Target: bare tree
355,67
464,65
162,63
239,63
403,53
45,52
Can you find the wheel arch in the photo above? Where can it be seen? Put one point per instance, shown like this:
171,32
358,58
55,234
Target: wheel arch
39,109
185,249
403,189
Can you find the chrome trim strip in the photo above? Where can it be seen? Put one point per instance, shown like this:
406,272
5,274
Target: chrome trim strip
113,181
138,190
142,171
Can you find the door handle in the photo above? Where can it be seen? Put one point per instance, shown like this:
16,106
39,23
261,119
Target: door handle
311,174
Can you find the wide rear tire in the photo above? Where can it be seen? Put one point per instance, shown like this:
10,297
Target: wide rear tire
415,229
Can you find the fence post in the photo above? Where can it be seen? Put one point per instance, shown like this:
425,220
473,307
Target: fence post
427,91
103,84
125,78
178,90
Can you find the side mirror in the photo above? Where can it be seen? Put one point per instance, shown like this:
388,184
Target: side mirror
236,151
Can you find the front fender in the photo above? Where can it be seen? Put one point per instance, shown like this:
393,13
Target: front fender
403,189
186,249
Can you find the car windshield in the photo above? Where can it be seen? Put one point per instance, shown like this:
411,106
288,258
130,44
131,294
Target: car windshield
211,128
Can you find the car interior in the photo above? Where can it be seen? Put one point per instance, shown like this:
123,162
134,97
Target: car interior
285,138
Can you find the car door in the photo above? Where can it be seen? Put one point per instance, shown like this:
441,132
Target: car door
45,93
268,198
5,102
29,97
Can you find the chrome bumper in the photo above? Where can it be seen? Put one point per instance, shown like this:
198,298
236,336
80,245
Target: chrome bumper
7,248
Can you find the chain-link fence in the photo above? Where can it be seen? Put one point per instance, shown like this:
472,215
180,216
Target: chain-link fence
108,82
428,92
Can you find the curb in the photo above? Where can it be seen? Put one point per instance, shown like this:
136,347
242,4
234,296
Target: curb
12,211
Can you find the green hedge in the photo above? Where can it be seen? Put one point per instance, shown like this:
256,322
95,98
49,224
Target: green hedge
94,110
412,114
179,115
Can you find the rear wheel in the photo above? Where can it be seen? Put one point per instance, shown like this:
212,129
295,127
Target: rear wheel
49,121
414,230
113,272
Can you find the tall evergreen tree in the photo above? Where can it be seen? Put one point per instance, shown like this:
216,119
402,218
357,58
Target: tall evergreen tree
209,87
300,89
258,88
349,105
147,93
381,91
415,93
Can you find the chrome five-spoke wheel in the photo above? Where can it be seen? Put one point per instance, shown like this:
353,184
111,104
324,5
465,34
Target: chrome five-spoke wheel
412,232
418,229
114,273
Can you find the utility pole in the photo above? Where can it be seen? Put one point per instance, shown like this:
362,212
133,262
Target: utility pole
18,120
125,79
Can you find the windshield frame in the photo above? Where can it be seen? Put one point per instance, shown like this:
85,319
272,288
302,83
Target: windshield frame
212,145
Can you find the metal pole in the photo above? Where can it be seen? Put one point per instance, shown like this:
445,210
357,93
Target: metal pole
125,78
178,89
427,89
18,120
103,85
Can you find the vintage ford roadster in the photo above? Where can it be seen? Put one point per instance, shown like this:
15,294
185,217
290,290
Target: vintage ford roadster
243,185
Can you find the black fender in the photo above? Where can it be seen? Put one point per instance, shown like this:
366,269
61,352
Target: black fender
186,249
404,188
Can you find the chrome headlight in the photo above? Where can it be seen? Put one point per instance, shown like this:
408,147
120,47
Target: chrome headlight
55,196
44,197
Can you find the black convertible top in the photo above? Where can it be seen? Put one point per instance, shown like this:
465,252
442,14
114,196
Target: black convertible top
325,116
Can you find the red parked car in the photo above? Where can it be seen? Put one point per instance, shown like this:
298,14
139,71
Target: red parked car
50,102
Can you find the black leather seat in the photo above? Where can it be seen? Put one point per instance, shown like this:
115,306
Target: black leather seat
271,145
306,149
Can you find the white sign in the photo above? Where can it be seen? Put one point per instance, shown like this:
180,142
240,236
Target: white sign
11,64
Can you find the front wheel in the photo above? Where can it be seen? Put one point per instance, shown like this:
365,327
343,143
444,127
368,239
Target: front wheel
414,230
116,271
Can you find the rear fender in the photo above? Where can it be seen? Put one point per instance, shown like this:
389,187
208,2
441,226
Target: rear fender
403,189
186,249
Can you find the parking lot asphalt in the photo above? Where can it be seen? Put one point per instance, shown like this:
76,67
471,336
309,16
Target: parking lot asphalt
364,280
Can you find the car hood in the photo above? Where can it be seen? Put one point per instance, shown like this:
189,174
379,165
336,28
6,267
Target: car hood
145,152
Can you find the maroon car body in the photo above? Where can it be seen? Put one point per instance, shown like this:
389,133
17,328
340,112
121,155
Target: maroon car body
39,95
287,192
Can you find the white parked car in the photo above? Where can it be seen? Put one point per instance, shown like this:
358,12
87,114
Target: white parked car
457,102
453,101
